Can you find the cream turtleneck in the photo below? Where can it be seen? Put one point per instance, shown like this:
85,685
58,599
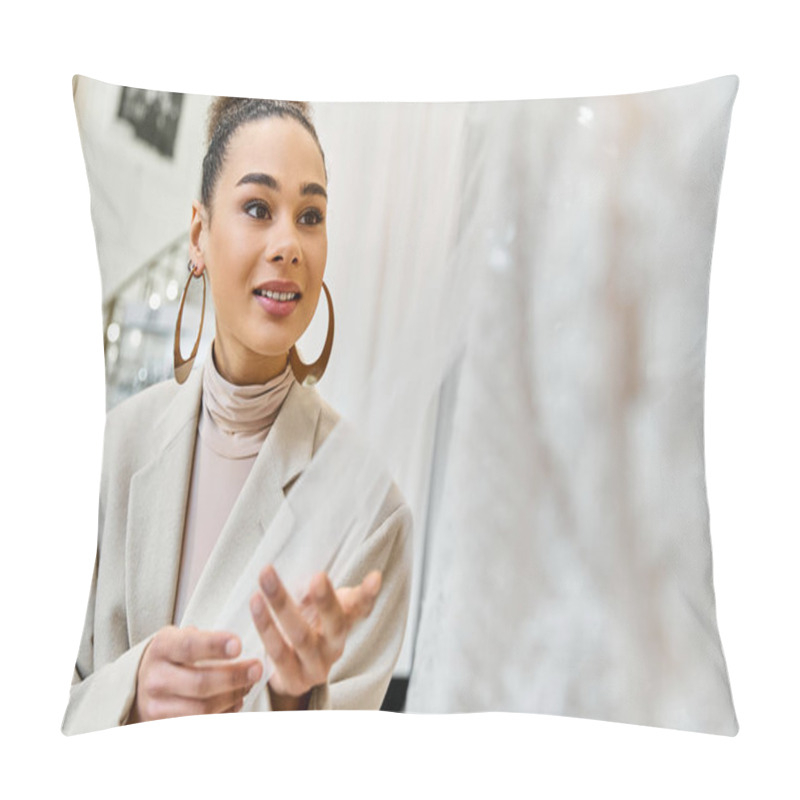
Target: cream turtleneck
234,422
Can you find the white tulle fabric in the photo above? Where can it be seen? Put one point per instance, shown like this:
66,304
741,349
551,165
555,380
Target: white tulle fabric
522,293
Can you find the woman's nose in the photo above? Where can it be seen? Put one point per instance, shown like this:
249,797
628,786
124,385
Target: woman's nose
284,244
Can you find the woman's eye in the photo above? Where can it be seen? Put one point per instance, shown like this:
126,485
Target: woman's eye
311,217
257,210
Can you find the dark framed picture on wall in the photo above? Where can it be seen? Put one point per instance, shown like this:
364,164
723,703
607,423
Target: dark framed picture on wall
154,116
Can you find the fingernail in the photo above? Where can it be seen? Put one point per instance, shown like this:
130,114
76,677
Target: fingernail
319,592
252,673
269,583
231,648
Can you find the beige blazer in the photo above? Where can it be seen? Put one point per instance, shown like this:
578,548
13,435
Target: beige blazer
147,460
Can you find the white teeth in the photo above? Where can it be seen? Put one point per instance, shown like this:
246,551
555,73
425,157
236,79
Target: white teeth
280,296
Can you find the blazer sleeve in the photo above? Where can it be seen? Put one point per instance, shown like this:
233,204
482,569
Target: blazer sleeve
104,680
101,698
359,679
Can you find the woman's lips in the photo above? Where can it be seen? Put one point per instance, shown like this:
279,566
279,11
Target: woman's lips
278,297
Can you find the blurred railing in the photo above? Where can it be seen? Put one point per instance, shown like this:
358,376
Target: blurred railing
139,322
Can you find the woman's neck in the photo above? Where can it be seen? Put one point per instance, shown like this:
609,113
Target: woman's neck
246,371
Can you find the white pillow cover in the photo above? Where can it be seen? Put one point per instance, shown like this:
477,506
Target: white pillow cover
521,292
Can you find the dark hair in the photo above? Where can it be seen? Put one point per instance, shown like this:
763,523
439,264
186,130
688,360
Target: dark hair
227,114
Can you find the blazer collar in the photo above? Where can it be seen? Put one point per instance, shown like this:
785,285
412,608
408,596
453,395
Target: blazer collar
159,496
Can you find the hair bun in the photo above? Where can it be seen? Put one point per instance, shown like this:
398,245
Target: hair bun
302,105
223,108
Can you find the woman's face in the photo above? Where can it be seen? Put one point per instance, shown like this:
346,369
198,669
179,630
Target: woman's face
264,245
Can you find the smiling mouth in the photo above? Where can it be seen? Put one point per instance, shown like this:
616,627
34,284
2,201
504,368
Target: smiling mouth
281,297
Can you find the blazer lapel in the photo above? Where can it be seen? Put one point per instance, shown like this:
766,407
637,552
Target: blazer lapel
286,451
156,514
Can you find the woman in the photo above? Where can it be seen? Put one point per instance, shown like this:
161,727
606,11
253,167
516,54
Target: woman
195,474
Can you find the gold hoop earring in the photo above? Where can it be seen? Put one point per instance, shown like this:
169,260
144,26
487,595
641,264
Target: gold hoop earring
183,366
309,374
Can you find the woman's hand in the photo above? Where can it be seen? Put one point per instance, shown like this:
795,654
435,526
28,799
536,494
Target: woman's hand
187,671
311,636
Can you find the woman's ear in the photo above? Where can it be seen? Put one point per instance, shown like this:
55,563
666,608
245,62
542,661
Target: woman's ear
197,236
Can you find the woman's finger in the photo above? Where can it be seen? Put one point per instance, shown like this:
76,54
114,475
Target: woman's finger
299,633
189,645
276,647
173,706
202,683
333,622
221,703
357,602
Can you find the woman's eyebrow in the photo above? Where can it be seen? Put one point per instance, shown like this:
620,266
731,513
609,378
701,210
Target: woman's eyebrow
267,180
313,188
261,178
